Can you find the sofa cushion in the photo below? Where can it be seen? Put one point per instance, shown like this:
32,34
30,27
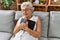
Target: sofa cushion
6,20
5,36
53,39
43,38
54,28
44,16
18,15
12,37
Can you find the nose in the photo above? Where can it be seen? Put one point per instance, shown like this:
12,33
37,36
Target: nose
24,11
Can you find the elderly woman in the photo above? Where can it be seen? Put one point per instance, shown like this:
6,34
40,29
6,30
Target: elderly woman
22,30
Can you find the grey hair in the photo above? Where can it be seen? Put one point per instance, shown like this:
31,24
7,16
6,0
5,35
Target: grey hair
28,4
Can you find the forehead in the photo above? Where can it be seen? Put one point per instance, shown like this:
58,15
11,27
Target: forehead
26,6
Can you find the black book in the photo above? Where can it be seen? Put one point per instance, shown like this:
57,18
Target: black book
31,24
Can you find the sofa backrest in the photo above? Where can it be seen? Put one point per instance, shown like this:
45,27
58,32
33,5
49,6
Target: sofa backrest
44,16
54,28
6,20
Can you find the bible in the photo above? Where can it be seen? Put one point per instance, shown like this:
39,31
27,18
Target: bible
31,24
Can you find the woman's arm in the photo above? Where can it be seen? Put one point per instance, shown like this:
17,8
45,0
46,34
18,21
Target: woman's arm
17,28
36,33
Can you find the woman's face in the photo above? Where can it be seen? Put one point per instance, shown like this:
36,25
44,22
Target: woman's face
27,12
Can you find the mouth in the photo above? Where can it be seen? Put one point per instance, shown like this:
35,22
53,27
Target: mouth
25,14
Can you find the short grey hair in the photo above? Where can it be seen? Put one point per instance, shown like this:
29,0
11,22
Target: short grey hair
27,4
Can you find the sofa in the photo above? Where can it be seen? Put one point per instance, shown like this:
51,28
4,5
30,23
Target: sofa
50,24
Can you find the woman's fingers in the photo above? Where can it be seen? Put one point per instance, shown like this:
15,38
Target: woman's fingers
24,25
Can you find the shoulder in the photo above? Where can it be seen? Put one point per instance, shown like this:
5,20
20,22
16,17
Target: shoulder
35,18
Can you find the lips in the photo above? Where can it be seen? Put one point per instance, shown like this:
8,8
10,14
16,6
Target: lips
25,14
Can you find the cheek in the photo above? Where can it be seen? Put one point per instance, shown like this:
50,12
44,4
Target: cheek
30,12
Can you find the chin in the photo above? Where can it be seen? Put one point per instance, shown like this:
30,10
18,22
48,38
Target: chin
26,16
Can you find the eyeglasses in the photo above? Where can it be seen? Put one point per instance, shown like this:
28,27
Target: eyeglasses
25,9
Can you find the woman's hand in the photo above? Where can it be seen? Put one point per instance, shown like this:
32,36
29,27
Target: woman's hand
24,26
